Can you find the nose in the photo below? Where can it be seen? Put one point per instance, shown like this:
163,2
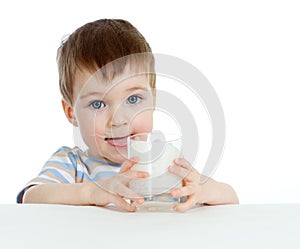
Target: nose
118,118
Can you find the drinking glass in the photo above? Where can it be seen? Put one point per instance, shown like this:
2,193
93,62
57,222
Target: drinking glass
156,152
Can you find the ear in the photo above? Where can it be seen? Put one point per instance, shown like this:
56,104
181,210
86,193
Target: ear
68,110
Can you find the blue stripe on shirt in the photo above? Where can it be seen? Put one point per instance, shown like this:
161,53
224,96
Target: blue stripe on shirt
83,175
91,160
72,158
63,148
103,174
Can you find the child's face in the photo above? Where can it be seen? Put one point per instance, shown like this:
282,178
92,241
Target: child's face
107,113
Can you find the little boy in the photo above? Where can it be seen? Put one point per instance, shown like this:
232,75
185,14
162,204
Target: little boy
107,80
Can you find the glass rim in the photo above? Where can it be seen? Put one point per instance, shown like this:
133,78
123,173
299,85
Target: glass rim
177,136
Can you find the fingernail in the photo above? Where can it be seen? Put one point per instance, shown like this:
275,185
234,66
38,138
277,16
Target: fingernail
171,168
140,200
134,159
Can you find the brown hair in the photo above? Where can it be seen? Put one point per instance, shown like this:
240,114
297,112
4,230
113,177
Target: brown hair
96,44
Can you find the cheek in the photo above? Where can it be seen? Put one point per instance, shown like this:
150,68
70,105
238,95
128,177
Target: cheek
90,123
143,122
91,126
98,124
87,133
85,123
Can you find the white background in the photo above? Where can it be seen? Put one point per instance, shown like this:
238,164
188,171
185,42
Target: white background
249,51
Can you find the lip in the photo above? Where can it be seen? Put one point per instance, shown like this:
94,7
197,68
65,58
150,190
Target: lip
119,142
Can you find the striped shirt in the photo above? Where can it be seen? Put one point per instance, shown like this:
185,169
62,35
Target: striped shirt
71,165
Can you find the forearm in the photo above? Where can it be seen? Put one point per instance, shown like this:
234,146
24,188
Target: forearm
57,193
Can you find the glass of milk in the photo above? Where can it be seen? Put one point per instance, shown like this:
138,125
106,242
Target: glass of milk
156,152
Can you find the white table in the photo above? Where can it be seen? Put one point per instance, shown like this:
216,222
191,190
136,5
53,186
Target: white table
232,226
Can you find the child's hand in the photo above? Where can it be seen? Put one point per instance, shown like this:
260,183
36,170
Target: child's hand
196,191
114,189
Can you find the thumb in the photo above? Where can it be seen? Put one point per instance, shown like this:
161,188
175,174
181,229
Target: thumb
128,164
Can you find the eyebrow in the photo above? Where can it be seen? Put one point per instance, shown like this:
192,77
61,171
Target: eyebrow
137,88
101,93
90,94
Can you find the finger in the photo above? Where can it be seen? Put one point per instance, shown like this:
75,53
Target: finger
127,193
115,187
181,172
184,191
183,162
187,174
193,174
122,204
128,164
191,202
134,174
110,198
130,194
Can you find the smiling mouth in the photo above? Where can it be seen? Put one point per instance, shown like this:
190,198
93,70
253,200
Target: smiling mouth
117,141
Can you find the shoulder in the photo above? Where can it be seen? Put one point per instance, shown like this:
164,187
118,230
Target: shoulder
66,155
67,151
63,150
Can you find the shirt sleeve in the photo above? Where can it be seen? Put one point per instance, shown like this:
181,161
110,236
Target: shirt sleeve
60,168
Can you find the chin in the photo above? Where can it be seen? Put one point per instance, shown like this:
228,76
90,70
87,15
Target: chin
119,159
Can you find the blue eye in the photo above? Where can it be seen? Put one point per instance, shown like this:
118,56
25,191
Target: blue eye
134,99
97,104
